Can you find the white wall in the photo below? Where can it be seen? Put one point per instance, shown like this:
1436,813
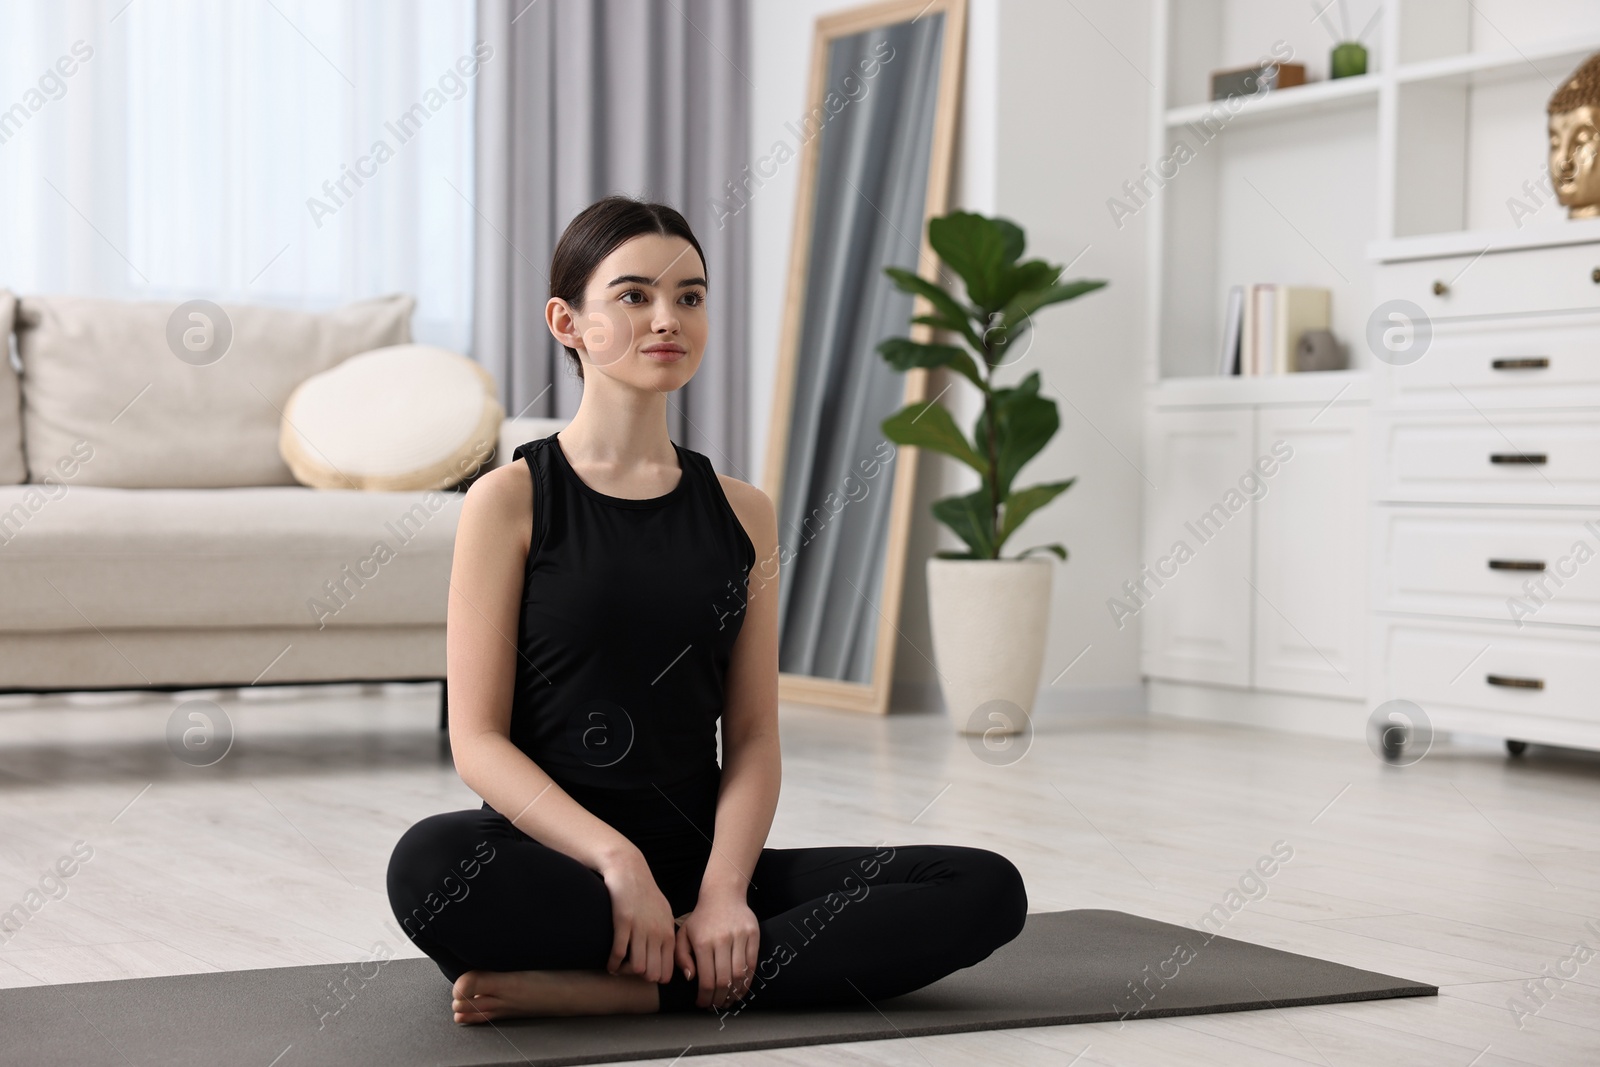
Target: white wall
1053,122
1074,106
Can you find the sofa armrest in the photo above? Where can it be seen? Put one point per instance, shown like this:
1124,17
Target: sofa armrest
516,431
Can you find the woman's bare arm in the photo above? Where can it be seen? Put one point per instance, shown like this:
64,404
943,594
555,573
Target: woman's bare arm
486,584
751,762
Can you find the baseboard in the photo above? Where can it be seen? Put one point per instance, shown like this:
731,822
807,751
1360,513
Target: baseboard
1092,700
1297,713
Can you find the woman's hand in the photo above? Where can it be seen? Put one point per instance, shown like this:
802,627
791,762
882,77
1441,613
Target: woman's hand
641,920
721,941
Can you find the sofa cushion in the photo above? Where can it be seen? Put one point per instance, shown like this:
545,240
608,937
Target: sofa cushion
406,417
179,395
76,557
13,469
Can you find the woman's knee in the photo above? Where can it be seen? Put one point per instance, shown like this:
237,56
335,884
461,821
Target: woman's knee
432,864
993,890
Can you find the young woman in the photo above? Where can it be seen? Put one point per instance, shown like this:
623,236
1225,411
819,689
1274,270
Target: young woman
612,599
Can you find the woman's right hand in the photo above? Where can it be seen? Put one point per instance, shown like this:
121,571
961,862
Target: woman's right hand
641,920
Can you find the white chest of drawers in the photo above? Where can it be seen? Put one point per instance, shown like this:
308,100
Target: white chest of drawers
1485,486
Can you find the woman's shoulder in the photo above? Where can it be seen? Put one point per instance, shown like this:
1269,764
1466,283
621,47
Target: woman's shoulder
741,494
753,508
500,500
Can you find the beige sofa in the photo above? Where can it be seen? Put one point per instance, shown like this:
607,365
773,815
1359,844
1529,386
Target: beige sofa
129,559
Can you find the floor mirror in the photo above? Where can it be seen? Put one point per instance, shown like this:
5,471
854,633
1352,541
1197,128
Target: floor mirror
879,128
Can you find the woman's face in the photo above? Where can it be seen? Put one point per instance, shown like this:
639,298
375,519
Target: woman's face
644,314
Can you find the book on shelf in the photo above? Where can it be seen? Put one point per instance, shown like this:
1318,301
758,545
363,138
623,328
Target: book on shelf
1228,359
1264,322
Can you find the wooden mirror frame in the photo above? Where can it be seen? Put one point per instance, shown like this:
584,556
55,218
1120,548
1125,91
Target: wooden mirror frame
870,697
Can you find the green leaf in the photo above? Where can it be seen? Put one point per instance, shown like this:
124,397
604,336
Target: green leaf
1022,278
905,354
1015,240
927,425
1024,424
1024,502
939,322
978,249
971,517
1014,317
1056,548
949,308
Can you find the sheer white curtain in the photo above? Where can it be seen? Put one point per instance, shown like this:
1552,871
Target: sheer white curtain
290,152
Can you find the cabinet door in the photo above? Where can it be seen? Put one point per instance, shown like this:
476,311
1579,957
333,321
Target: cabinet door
1311,540
1193,599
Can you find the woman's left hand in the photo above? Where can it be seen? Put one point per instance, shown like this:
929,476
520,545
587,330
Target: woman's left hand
720,941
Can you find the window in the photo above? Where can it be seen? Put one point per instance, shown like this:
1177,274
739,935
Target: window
289,152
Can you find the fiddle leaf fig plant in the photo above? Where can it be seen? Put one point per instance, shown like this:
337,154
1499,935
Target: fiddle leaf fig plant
1000,299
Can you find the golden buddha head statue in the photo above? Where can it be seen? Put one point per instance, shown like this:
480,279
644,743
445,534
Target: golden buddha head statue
1574,167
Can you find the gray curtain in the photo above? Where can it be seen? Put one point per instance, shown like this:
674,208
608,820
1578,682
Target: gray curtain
584,98
870,198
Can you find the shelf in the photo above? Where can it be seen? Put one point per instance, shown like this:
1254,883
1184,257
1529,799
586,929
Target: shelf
1564,53
1319,387
1411,161
1473,242
1297,100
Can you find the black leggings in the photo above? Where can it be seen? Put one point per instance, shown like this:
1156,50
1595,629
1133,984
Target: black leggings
838,923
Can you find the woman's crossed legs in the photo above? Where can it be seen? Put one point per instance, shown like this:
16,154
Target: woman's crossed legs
839,924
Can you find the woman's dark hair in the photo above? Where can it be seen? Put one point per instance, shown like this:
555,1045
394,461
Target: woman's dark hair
595,232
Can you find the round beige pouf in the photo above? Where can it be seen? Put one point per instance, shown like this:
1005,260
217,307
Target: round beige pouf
404,417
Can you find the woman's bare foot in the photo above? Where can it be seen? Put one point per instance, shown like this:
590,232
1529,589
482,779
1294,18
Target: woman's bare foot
479,996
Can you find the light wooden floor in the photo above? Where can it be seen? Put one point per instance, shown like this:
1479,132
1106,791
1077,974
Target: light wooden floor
1466,870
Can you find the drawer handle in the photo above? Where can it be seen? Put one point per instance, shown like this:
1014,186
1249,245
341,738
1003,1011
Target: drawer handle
1509,682
1537,459
1522,363
1516,564
1440,288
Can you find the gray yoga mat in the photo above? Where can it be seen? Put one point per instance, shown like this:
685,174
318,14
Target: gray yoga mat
1065,967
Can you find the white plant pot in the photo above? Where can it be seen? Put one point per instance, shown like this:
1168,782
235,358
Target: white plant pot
989,619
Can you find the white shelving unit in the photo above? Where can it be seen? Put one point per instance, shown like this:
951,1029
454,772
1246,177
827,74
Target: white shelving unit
1420,156
1368,186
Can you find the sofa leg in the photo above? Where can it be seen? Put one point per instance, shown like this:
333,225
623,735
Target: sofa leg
444,707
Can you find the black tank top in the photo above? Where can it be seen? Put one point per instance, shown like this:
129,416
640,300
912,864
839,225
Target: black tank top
629,613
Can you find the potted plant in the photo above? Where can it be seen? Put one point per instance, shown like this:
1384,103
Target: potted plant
989,614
